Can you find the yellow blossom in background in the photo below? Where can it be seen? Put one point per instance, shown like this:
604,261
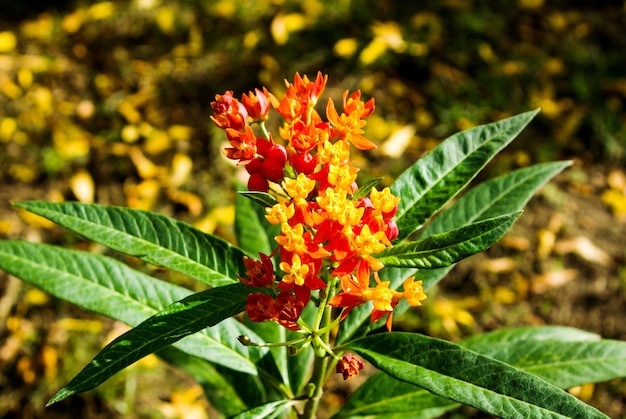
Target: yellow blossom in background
8,42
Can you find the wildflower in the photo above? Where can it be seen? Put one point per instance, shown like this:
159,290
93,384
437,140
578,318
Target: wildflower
257,104
310,90
285,309
288,309
259,273
229,112
356,291
325,229
349,365
260,307
349,126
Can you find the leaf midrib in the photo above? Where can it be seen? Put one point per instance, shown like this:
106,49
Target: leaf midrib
455,379
110,230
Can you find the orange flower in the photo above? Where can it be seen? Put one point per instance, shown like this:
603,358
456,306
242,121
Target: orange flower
257,104
229,112
243,145
324,229
308,90
258,273
349,126
285,309
356,291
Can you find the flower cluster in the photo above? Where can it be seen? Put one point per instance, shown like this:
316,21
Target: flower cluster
330,230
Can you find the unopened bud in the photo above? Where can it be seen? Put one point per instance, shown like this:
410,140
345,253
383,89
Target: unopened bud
244,340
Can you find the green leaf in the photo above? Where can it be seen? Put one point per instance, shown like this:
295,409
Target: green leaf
501,195
467,377
563,356
180,319
154,238
97,283
108,287
254,233
218,390
365,188
437,177
445,249
384,397
262,198
504,194
266,411
560,356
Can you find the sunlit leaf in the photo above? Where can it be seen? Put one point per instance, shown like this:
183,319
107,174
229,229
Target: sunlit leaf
180,319
437,177
108,287
155,238
467,377
444,249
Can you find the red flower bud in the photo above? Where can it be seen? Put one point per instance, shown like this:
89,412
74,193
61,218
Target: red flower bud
349,365
258,183
278,153
254,166
273,170
392,231
304,163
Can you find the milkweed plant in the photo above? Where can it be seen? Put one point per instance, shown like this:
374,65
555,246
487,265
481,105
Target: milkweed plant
322,264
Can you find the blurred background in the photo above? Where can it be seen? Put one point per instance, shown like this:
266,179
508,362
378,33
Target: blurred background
108,102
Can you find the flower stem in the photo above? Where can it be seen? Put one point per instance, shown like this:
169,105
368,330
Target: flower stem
266,134
323,353
317,382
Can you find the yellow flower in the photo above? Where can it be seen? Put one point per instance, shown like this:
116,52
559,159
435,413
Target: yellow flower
292,238
296,272
384,200
413,292
279,213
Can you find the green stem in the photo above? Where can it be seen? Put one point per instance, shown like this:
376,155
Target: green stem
317,383
266,134
321,343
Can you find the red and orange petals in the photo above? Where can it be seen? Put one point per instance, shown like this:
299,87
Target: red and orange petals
259,273
349,366
324,230
229,112
352,105
288,310
244,145
260,307
257,104
307,89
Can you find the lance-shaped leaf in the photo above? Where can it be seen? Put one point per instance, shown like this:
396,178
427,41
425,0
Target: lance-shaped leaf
180,319
453,372
262,198
563,356
254,233
109,287
504,194
432,181
155,238
501,195
382,396
533,349
445,249
266,411
220,391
